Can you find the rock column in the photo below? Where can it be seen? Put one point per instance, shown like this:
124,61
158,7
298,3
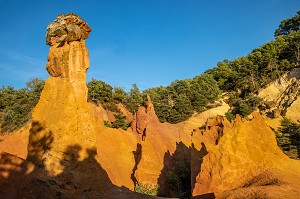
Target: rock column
63,117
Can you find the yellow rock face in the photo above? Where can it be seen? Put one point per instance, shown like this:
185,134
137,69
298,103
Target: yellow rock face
247,155
293,112
63,114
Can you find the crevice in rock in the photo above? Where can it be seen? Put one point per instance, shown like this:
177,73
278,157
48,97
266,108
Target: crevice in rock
137,158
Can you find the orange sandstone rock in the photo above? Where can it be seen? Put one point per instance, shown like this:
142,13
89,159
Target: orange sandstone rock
62,110
246,153
156,141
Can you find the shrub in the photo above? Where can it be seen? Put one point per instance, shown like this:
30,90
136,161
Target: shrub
230,116
288,138
147,189
119,123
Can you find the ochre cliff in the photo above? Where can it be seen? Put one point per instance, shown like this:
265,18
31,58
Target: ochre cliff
138,154
246,157
156,141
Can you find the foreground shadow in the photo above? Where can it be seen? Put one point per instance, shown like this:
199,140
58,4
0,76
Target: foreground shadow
137,154
205,196
196,162
175,177
178,176
81,176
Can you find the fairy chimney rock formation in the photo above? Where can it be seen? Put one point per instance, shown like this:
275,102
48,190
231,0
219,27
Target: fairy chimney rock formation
68,55
63,117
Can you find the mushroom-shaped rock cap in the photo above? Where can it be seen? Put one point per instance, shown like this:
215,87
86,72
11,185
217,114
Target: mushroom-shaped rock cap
67,28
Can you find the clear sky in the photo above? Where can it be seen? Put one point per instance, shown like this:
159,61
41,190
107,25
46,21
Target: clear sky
147,42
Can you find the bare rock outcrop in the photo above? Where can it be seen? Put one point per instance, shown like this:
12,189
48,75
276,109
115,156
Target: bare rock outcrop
281,98
246,158
143,116
67,28
155,142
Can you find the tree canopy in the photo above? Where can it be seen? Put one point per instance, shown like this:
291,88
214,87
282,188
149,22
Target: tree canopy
288,25
16,105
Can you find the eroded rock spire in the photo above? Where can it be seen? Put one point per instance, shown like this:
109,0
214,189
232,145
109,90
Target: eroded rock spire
63,113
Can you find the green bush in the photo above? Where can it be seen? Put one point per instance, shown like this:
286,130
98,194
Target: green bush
288,138
151,190
107,124
179,178
230,116
243,104
119,123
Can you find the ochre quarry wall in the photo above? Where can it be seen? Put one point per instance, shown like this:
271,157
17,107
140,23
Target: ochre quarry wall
156,141
245,158
138,154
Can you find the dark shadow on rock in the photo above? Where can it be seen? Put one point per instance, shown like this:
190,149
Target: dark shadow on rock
205,196
20,175
144,134
34,183
80,178
85,178
40,142
137,154
175,177
10,171
196,162
178,176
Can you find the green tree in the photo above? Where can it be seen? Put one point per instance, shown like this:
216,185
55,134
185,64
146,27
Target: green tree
289,138
120,122
35,88
222,73
292,50
119,94
162,99
288,25
204,90
243,105
182,109
16,105
99,91
179,178
133,99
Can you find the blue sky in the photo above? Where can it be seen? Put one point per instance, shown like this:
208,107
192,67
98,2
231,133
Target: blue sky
147,42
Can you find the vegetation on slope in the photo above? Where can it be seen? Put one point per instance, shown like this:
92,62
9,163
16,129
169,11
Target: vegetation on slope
16,105
288,138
